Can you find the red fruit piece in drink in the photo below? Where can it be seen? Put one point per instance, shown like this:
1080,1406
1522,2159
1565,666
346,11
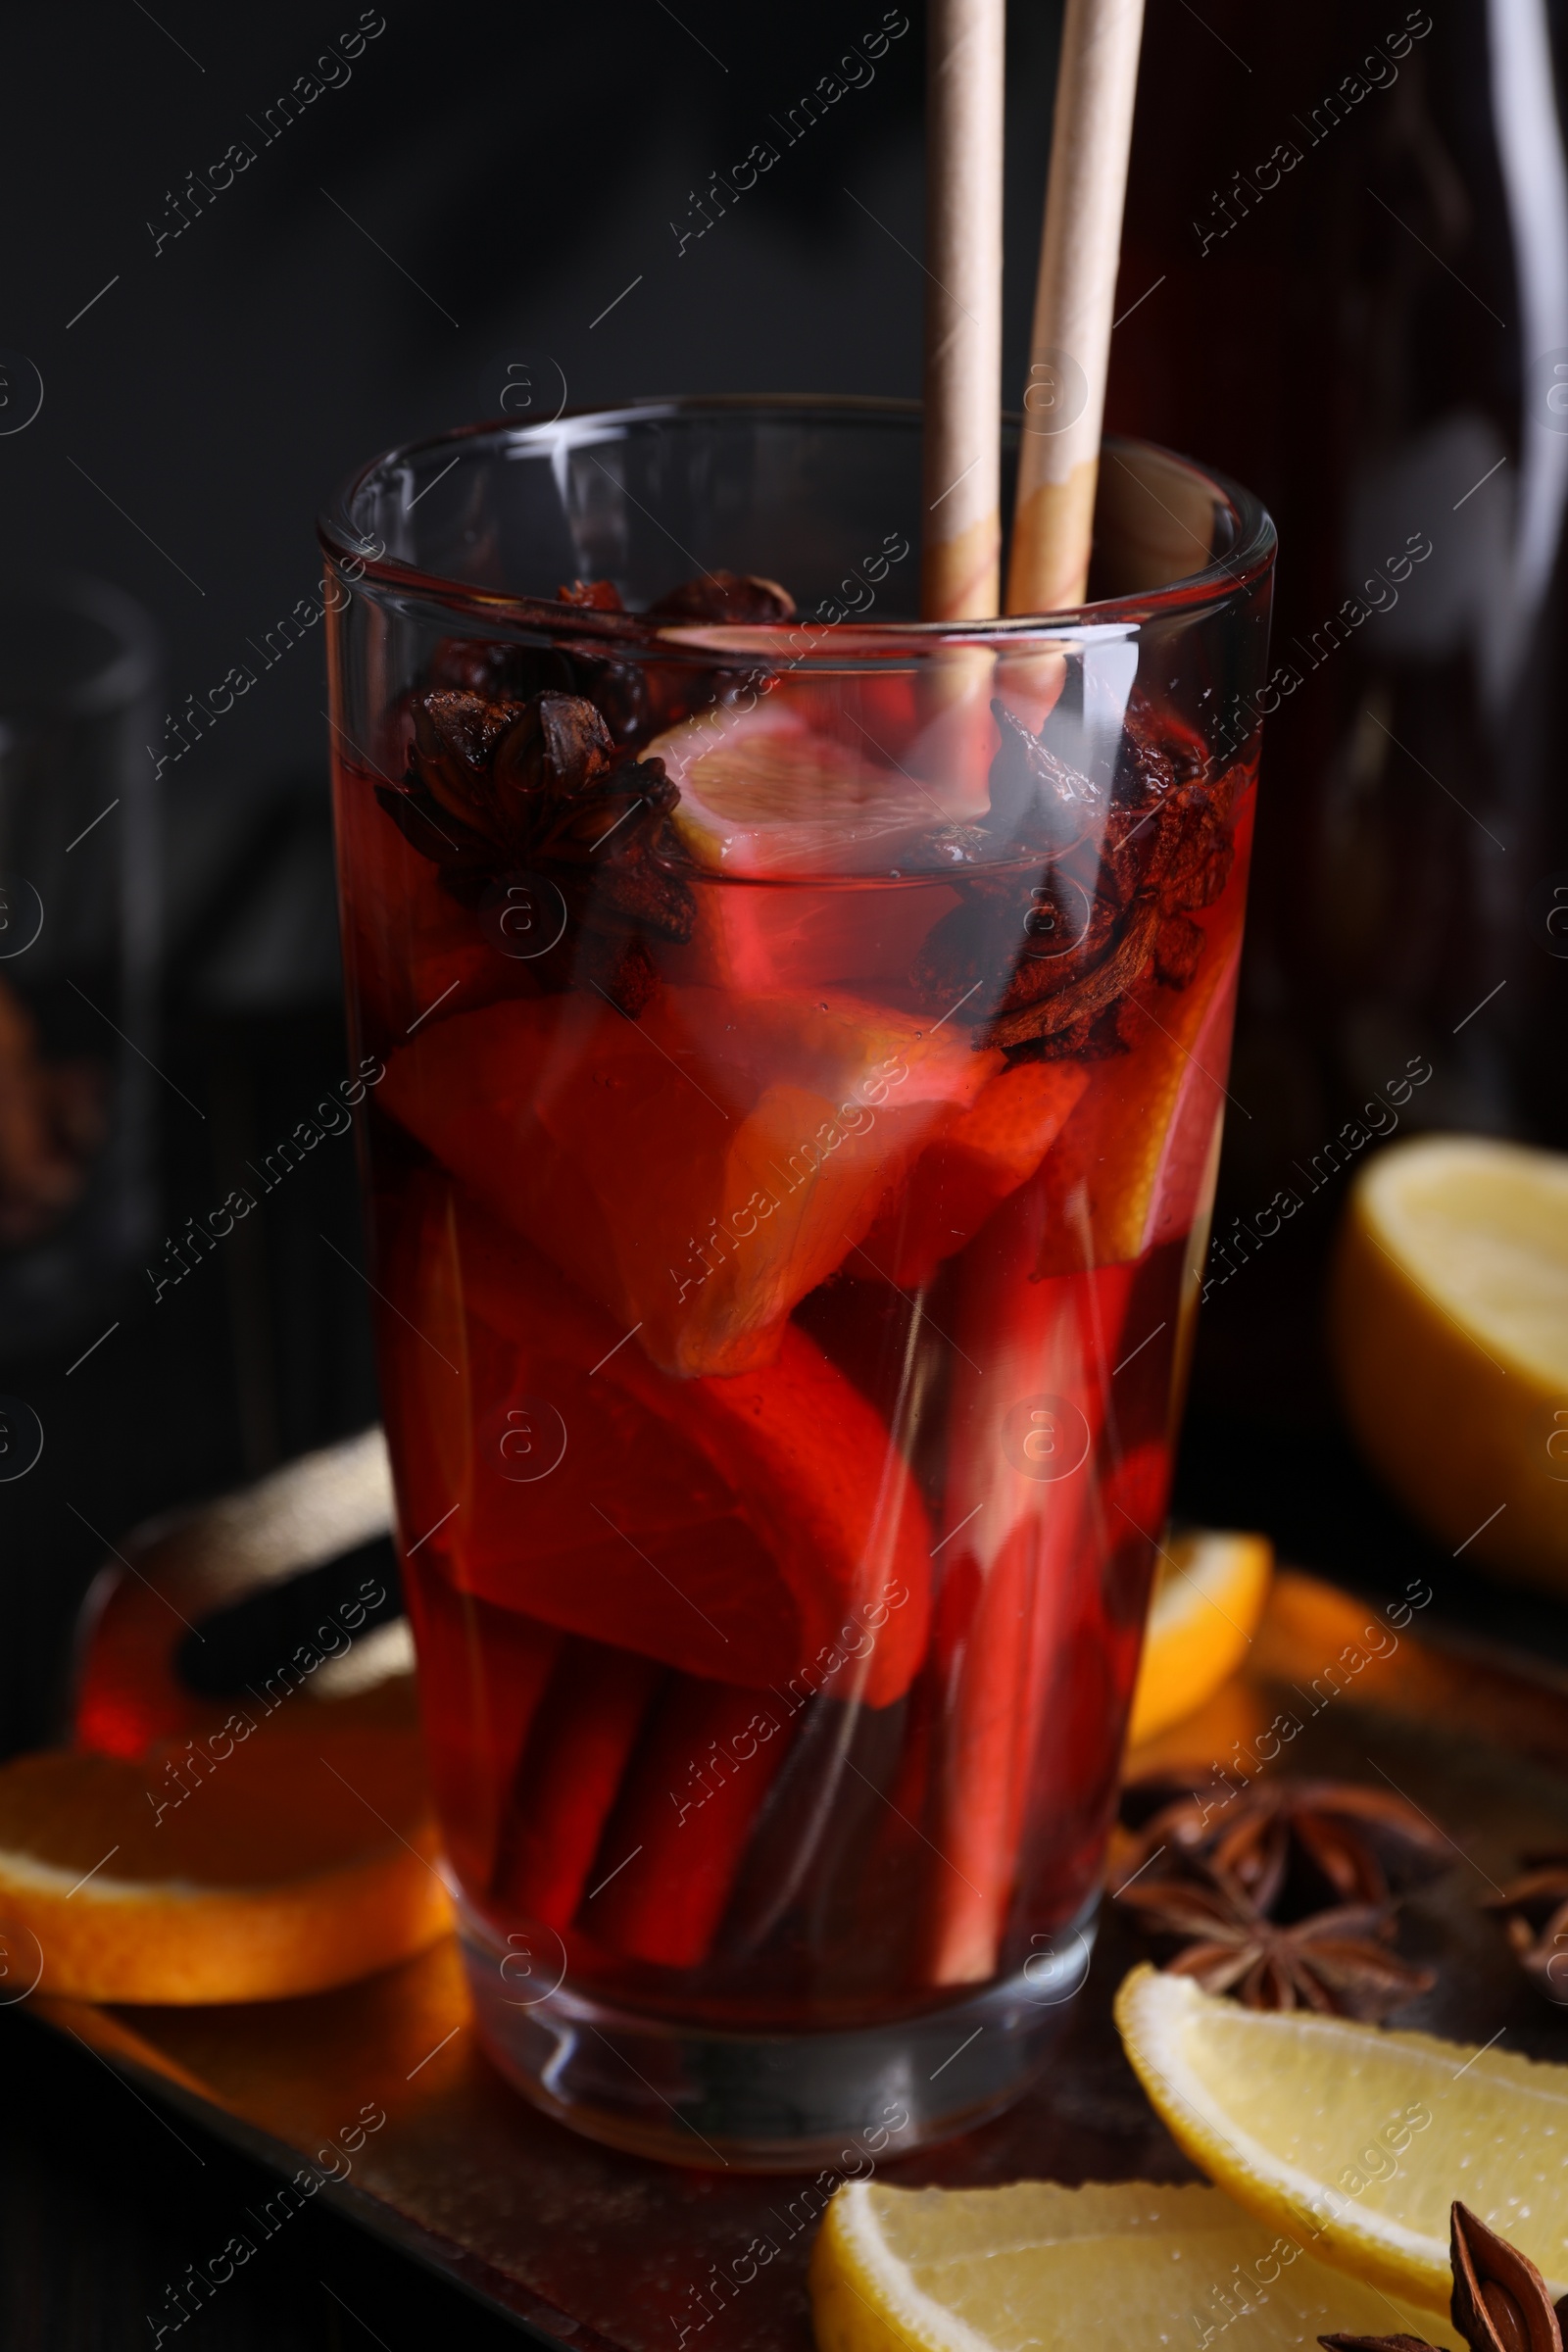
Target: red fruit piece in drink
698,1170
570,1771
985,1153
676,1837
751,1529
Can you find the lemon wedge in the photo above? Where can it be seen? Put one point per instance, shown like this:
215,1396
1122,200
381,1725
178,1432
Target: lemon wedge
767,794
1351,2140
1209,1592
1035,2265
1450,1334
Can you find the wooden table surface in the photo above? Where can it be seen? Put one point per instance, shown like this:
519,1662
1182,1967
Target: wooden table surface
113,2185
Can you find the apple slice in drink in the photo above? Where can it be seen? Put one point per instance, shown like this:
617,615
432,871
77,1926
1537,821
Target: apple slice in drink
698,1170
706,1523
985,1153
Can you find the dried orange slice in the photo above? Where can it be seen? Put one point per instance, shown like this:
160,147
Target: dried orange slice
246,1874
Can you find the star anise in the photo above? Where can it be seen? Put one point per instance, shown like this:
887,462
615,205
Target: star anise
497,784
1308,1840
1500,2303
1337,1961
1096,895
1535,1908
726,596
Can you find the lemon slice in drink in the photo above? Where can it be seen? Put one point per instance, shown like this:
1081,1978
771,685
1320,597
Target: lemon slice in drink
1036,2267
1354,2140
1209,1591
1449,1332
766,794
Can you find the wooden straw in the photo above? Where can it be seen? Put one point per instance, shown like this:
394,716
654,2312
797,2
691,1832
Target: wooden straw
961,536
1059,457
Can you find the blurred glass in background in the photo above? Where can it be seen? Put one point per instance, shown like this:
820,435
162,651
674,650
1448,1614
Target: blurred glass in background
80,932
1346,242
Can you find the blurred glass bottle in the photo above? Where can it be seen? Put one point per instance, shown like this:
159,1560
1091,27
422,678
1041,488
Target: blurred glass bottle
78,954
1346,242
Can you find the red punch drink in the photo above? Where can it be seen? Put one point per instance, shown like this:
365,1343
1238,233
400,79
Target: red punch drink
804,1039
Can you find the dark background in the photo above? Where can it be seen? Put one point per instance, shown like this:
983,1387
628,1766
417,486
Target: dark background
480,195
509,173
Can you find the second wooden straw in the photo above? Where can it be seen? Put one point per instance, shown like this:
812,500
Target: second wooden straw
1058,451
961,537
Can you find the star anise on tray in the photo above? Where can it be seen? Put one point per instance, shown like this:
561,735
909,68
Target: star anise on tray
1284,1895
495,785
1333,1961
1534,1911
1500,2303
1308,1840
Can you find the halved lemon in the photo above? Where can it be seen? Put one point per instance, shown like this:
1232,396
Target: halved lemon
1354,2141
226,1873
1209,1592
1449,1332
766,793
1036,2267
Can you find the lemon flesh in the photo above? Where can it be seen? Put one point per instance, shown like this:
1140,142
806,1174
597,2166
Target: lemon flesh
1353,2139
767,796
1209,1592
1450,1334
1137,2266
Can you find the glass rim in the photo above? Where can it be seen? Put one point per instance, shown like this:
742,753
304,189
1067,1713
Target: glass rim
1214,584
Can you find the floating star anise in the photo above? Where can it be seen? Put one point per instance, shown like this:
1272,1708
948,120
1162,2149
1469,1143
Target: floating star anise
726,596
1094,899
1535,1907
1335,1961
495,784
1310,1840
1500,2303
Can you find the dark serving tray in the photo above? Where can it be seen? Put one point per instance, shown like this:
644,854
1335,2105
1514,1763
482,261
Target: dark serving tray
595,2249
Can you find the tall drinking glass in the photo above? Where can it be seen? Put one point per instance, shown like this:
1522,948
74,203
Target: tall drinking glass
796,1040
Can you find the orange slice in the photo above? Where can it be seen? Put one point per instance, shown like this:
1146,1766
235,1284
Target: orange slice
1130,1167
277,1871
1209,1592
